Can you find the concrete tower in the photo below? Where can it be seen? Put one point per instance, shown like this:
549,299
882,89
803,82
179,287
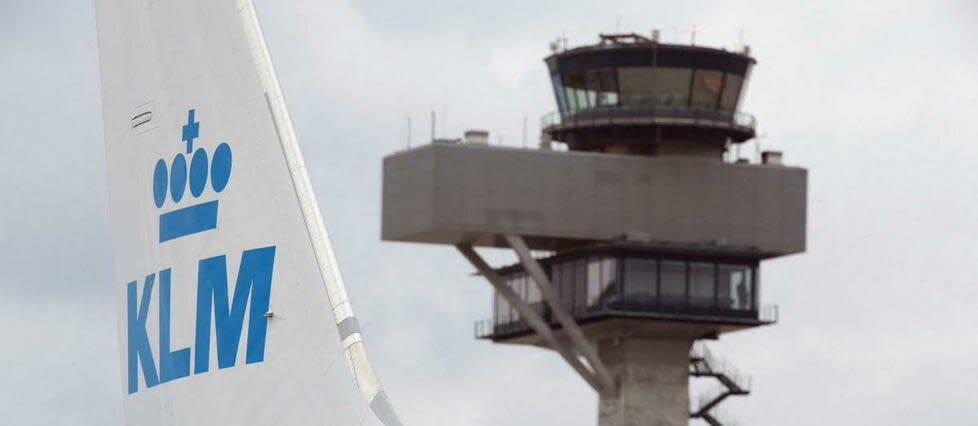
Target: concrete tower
641,238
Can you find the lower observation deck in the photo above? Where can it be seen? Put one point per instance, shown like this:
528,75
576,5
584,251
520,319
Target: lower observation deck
703,296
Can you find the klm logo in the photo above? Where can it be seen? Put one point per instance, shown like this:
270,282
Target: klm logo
215,311
197,217
219,309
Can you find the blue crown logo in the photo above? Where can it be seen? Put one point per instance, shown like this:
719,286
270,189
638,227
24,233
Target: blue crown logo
175,180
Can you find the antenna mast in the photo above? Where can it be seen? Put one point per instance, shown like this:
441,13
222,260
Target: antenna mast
524,131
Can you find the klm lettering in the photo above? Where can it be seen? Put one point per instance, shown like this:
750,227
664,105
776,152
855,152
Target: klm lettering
218,310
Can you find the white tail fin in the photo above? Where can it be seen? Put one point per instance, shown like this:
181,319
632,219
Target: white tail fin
234,310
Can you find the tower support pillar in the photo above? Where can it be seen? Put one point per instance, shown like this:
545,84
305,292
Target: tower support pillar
653,382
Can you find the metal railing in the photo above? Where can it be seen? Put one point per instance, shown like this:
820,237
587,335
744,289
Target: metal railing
643,114
498,327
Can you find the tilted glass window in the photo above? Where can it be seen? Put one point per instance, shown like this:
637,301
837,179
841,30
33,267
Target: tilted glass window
660,87
749,295
672,282
707,85
566,280
557,278
531,292
571,97
636,86
602,281
502,310
731,92
702,283
533,296
580,283
640,281
647,87
604,83
518,284
735,287
559,91
609,280
579,91
593,281
585,99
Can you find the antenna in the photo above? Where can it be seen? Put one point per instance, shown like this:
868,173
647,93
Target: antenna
757,145
743,45
524,131
757,150
409,132
692,37
432,124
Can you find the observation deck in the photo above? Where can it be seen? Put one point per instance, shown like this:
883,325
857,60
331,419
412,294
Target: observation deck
631,94
628,281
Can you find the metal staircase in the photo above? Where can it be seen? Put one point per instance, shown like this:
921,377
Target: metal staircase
702,363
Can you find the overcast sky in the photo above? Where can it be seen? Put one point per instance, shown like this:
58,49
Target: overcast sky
879,318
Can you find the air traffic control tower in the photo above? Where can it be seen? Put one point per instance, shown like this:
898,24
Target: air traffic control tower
644,236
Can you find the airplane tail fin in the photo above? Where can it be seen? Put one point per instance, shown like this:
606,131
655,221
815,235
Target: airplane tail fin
222,258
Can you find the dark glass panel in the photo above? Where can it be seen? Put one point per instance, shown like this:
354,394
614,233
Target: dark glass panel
593,281
557,278
580,284
567,284
571,95
604,84
660,87
702,277
580,94
731,92
518,284
502,310
609,281
640,281
533,294
734,290
559,91
749,296
585,99
635,86
672,284
706,89
671,87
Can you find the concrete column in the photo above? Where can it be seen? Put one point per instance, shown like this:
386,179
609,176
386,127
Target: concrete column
653,378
